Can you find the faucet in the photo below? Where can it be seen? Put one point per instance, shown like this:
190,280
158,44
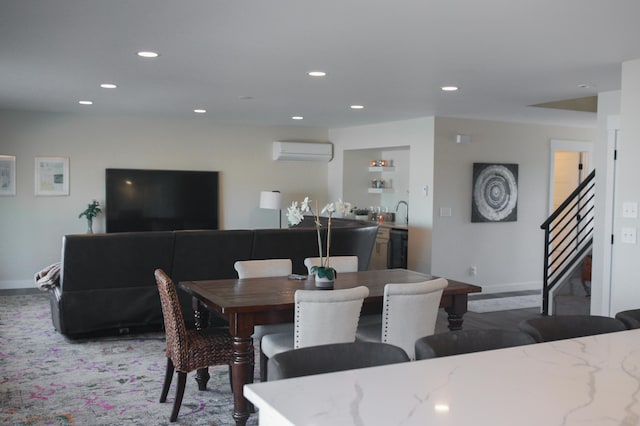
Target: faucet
406,218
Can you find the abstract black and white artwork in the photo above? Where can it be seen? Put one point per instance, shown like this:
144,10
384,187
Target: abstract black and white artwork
495,193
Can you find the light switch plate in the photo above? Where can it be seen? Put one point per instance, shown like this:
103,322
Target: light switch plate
629,235
630,210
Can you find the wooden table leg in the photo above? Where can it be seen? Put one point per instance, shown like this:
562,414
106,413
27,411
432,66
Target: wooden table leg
457,309
201,315
242,373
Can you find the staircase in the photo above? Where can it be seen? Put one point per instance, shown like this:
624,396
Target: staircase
568,237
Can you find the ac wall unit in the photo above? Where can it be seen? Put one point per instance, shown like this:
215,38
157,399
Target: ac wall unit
302,151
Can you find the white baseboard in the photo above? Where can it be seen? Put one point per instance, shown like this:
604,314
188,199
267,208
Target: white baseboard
508,287
14,284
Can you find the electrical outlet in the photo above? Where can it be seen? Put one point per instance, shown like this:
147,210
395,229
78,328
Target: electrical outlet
473,271
629,235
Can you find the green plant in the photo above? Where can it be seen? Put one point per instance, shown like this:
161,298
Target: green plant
92,210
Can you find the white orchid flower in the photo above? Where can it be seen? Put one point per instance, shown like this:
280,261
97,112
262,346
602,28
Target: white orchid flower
343,207
294,214
304,206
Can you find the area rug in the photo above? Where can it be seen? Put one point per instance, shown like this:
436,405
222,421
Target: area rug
46,379
505,303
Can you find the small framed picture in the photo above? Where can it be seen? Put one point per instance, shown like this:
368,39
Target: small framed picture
52,176
7,175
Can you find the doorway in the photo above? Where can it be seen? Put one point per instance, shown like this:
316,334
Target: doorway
570,163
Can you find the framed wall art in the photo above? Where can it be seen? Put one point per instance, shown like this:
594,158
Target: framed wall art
52,176
495,193
7,175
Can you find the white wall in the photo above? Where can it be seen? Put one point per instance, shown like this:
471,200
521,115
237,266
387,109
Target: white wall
608,109
625,278
508,256
416,134
32,227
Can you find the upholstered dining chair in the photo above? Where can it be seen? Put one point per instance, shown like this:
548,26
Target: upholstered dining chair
263,268
409,312
558,327
187,350
630,318
321,317
467,341
333,357
339,263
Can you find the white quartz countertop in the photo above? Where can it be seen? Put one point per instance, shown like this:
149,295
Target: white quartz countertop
592,380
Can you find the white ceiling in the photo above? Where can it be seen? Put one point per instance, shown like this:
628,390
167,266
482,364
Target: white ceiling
390,56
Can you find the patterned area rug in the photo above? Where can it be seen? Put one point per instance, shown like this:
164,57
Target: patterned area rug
505,303
46,379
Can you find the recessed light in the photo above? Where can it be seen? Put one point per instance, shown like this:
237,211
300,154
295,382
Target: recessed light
316,73
85,102
245,98
200,111
449,88
297,117
584,86
148,54
357,107
108,86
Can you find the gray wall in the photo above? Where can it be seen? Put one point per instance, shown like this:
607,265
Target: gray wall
508,256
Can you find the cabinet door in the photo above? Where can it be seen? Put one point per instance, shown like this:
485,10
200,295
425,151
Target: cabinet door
379,255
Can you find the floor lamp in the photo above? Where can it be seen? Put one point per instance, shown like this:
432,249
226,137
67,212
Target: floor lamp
272,200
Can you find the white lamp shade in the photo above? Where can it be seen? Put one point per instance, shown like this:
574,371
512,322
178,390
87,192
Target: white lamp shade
270,200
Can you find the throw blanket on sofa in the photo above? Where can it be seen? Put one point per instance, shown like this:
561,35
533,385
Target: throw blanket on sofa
49,277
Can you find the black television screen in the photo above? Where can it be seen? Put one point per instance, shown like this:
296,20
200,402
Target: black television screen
160,200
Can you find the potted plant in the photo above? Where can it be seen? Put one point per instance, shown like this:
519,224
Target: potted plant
324,273
92,210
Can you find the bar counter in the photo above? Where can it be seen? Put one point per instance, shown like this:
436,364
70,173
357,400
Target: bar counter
592,380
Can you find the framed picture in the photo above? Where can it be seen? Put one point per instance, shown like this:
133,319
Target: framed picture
7,175
495,193
52,176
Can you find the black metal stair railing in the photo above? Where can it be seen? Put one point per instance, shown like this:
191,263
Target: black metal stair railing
568,235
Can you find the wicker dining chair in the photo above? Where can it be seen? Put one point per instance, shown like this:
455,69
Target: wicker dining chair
187,350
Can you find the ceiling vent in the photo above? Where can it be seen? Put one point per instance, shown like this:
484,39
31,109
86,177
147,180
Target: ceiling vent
302,151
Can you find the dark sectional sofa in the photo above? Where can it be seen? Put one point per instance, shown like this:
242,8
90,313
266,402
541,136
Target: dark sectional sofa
107,283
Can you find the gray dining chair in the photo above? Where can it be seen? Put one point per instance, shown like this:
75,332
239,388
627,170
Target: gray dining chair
558,327
630,318
333,357
321,317
409,312
467,341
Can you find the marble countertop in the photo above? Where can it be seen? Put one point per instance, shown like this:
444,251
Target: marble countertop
593,380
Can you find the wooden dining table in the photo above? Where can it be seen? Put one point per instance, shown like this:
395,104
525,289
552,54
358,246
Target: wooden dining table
248,302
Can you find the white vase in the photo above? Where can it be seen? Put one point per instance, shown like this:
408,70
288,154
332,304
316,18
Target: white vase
324,282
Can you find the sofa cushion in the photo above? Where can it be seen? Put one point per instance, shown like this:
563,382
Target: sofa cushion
209,255
112,261
293,243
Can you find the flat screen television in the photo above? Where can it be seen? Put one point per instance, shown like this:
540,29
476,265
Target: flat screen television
160,200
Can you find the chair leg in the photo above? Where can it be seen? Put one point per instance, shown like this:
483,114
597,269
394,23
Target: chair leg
182,380
263,367
168,376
